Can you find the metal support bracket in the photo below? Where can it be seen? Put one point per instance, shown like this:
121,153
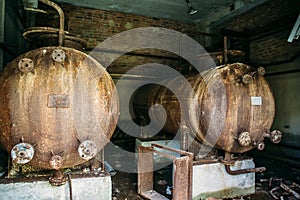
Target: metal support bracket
183,172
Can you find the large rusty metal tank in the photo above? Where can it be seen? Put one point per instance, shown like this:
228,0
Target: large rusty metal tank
59,108
232,107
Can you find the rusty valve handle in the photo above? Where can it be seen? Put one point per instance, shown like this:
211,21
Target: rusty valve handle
248,78
244,171
61,33
244,139
274,136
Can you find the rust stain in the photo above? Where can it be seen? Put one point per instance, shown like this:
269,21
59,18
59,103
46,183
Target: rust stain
225,110
82,93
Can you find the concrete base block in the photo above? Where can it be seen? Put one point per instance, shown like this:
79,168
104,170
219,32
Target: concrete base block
96,188
212,180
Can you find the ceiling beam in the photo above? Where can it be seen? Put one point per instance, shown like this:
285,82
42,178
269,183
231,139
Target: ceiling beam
225,14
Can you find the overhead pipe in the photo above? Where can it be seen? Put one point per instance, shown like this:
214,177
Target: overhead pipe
61,33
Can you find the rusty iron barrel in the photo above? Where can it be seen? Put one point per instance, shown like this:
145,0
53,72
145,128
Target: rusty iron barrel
232,107
59,108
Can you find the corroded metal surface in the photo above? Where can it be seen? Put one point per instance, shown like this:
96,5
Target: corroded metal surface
57,106
182,174
233,99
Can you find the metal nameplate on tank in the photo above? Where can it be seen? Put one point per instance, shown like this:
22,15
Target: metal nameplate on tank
256,101
58,101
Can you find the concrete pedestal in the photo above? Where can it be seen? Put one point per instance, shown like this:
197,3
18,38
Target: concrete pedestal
212,180
96,188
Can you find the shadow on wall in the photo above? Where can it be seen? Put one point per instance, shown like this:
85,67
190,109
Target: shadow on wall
284,80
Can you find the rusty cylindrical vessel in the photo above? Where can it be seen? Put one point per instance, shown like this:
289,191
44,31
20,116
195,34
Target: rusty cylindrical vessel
59,108
234,107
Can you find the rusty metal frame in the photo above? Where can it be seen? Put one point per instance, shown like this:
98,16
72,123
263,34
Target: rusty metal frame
182,170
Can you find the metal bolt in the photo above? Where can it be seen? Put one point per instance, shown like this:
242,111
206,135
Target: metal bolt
261,146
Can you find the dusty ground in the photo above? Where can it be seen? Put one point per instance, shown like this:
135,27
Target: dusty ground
125,184
125,188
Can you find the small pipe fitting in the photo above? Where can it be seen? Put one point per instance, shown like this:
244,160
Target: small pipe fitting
87,149
244,139
247,79
56,162
261,146
261,71
274,136
58,178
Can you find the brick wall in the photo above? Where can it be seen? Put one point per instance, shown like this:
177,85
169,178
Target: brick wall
95,26
268,27
273,48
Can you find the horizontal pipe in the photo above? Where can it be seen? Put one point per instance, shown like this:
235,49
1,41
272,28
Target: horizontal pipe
243,171
113,51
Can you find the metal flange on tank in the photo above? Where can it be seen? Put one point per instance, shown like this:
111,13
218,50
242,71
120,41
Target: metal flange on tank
22,153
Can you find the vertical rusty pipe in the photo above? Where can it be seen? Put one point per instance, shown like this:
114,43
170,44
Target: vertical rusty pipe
61,20
225,57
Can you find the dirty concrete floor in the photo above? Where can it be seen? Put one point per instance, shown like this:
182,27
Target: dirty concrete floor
125,187
125,183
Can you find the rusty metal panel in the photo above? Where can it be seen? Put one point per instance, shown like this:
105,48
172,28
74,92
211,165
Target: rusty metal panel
181,182
145,169
183,170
